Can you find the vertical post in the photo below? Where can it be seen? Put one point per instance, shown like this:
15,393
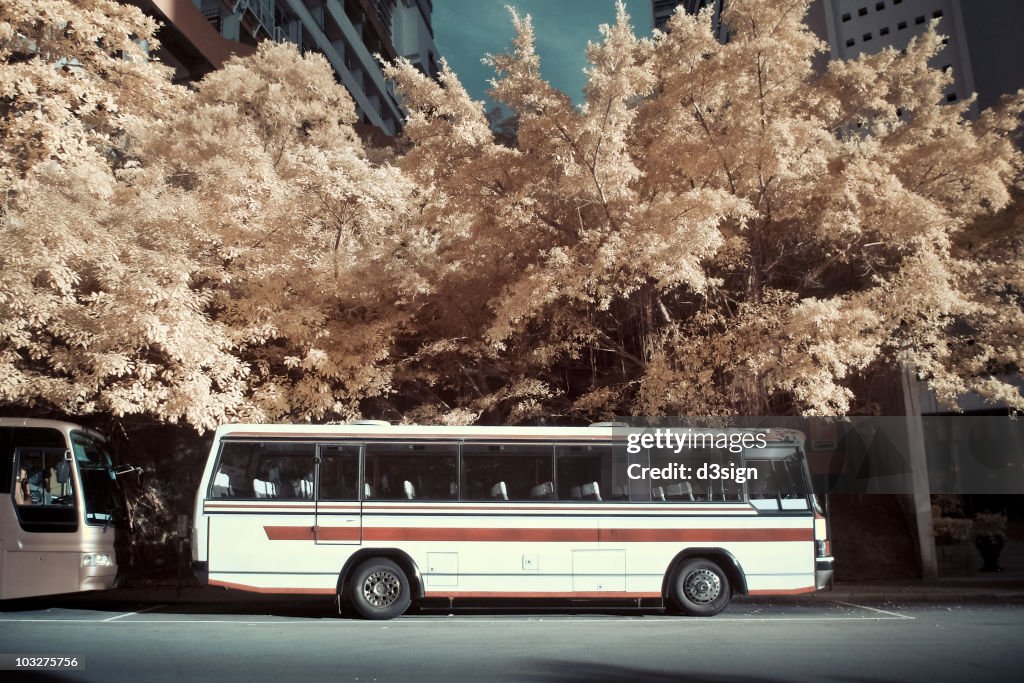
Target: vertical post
921,495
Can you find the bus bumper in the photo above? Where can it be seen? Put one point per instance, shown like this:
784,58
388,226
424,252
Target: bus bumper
823,572
202,572
97,578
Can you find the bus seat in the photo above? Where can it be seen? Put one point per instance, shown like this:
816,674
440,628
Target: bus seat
657,493
575,493
367,490
222,486
264,489
409,490
303,489
591,491
499,491
545,490
683,491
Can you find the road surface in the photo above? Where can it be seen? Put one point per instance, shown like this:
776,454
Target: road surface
285,640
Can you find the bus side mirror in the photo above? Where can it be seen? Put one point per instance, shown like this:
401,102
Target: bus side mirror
63,471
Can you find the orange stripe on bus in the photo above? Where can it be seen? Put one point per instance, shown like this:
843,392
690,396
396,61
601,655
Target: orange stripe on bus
454,534
506,594
705,535
784,591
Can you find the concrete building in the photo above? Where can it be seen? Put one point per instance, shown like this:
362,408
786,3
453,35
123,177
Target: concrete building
199,35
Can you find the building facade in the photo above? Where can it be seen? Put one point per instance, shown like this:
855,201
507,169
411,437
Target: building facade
199,35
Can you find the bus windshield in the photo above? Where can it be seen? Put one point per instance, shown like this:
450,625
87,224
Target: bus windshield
96,468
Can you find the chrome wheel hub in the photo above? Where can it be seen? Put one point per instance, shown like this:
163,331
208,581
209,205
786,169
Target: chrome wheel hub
702,586
381,588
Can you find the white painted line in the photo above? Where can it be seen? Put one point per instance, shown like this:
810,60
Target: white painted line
129,614
874,609
456,620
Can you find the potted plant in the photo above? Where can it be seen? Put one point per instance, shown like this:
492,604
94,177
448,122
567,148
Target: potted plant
989,538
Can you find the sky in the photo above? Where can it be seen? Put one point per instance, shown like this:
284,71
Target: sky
466,30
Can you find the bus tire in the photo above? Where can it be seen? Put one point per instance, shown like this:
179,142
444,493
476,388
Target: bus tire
379,589
699,588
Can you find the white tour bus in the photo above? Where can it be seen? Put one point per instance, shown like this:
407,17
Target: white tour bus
61,504
382,516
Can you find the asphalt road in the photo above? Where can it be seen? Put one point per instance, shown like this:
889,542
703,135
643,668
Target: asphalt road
287,640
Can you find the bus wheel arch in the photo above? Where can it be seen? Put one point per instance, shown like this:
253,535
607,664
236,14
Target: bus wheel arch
725,561
397,556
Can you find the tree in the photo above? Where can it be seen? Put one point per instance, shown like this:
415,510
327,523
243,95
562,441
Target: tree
224,254
718,229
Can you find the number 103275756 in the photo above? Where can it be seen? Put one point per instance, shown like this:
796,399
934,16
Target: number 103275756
38,662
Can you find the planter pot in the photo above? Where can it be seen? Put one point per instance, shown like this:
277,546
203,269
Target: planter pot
990,547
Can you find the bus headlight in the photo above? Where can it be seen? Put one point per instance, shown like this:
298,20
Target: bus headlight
97,560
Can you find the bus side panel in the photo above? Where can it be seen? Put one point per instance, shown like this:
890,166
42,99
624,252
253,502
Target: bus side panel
775,553
464,552
268,546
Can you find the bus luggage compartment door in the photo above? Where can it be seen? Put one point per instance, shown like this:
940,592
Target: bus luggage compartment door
338,511
598,570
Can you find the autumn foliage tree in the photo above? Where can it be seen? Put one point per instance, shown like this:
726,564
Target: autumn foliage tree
718,229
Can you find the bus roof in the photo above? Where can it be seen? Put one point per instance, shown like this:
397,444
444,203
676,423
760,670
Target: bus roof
42,423
376,431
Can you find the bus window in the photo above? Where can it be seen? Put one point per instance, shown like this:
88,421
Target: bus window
506,471
264,470
404,471
699,481
779,485
586,473
95,467
44,477
339,473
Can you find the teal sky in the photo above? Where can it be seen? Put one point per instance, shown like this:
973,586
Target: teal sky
466,30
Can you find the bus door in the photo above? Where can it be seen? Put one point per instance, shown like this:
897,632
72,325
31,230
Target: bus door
338,511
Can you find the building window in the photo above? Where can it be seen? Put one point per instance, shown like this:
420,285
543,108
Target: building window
919,20
951,97
902,25
937,14
884,31
879,6
947,68
862,11
866,37
897,2
849,42
846,17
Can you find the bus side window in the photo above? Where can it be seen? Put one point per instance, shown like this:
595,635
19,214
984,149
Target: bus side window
403,471
500,472
339,473
585,473
264,470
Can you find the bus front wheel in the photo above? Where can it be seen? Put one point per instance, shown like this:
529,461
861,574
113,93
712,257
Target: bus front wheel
379,589
700,588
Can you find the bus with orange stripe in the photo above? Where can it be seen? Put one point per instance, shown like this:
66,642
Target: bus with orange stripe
383,516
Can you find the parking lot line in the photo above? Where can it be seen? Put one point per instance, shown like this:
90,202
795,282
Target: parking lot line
890,616
874,609
129,614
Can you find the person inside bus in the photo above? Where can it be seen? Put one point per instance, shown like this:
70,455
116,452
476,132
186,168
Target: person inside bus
38,486
21,493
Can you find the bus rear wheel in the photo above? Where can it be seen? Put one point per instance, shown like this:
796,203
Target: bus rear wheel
379,589
700,588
